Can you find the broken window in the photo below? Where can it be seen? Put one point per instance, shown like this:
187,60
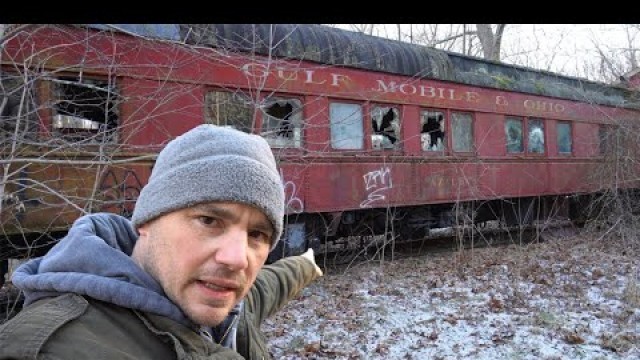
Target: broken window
513,132
232,109
385,122
346,126
535,142
18,119
432,130
85,109
462,131
282,122
564,137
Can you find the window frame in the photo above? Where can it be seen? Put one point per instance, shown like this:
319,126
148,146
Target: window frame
445,127
297,142
472,143
529,121
370,133
522,146
558,140
250,106
607,137
363,132
525,135
81,129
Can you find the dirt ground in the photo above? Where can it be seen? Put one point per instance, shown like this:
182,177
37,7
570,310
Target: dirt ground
569,297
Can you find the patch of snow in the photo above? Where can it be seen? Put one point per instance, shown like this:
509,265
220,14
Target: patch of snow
556,304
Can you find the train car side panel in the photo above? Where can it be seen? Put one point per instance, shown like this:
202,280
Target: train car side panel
489,135
156,111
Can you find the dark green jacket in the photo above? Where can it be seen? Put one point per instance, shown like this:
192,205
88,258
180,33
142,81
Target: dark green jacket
74,327
274,287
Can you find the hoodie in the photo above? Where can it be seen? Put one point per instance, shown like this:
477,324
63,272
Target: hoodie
94,260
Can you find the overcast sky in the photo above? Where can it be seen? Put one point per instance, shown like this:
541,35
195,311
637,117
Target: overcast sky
565,48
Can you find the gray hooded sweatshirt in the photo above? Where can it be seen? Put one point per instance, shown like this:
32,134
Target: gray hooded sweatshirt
94,260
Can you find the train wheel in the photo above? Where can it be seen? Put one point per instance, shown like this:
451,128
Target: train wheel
301,233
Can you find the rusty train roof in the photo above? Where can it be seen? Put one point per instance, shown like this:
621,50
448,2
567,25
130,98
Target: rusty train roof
340,47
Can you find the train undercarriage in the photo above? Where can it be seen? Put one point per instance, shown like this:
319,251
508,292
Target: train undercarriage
336,231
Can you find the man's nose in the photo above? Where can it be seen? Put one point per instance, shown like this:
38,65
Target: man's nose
232,250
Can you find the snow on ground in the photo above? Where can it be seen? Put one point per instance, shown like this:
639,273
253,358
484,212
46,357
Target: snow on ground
562,299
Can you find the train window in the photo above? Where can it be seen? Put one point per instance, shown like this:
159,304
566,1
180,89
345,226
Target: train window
18,119
513,132
85,109
346,126
462,132
605,135
385,122
535,140
282,122
233,109
432,131
564,137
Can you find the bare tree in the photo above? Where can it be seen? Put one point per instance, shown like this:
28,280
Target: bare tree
364,28
613,62
480,40
491,40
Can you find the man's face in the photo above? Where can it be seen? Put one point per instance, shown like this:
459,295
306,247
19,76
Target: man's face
205,257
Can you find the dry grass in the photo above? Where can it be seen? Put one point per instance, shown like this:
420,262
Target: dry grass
553,294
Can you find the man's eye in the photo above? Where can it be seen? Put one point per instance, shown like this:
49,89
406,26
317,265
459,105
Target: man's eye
207,220
260,237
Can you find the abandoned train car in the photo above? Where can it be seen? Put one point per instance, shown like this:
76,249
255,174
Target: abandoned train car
370,133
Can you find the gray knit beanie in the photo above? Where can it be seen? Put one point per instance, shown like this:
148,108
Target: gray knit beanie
212,163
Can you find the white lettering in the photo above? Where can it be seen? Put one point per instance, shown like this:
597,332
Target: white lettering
501,100
287,75
382,87
408,89
309,79
337,78
473,96
431,91
255,70
452,95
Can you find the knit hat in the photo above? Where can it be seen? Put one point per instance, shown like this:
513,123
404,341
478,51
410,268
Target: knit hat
212,163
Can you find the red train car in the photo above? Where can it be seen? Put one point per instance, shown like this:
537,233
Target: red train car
370,134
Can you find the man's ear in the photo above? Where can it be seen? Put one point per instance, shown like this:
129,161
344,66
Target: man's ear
140,245
143,231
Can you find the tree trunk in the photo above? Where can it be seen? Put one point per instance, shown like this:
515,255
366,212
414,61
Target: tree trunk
490,42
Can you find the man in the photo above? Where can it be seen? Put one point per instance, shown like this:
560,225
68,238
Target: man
183,279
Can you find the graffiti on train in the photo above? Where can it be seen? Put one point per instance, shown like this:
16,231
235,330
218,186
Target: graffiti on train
119,193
